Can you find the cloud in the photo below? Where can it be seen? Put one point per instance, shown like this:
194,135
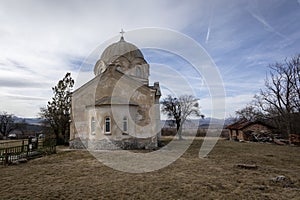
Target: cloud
208,33
232,103
267,26
209,24
12,83
173,82
22,105
23,97
42,40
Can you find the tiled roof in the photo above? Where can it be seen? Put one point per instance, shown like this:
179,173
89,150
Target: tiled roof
239,124
114,101
244,123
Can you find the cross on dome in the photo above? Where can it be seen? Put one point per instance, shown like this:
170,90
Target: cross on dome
122,32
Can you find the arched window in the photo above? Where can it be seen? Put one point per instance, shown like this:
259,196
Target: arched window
93,126
107,124
125,124
118,67
138,72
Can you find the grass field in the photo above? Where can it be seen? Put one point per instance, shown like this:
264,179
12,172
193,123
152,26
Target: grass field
78,175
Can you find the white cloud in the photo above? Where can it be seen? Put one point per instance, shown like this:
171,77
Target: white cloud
232,103
41,40
267,26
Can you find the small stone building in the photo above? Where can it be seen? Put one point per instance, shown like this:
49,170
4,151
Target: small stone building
117,108
245,130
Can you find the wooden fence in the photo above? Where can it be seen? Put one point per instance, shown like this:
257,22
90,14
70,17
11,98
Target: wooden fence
23,149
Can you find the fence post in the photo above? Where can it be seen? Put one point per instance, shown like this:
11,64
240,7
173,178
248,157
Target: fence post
22,146
37,143
6,157
27,150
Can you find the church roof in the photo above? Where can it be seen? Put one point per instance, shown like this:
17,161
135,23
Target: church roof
97,79
114,101
120,48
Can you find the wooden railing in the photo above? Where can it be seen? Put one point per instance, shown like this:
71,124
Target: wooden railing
18,150
13,143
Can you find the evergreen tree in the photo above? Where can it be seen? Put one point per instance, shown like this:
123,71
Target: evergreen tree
58,111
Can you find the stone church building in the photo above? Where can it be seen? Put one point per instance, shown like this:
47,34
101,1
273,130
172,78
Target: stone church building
117,109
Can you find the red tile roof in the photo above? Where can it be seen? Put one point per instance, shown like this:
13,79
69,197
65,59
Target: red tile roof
239,124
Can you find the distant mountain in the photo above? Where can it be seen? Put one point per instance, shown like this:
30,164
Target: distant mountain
202,123
216,121
32,121
189,124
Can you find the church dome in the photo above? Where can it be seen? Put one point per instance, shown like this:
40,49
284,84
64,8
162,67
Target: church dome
121,48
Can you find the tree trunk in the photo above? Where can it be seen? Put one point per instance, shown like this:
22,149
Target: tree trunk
179,130
56,132
63,133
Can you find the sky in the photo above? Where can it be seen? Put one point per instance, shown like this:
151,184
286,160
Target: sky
40,41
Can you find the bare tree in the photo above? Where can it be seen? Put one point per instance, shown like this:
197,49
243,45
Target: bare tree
22,126
250,112
179,109
294,65
280,98
6,123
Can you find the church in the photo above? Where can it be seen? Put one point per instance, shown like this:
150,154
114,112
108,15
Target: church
117,109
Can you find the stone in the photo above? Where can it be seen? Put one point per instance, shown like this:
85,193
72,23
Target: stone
284,181
247,166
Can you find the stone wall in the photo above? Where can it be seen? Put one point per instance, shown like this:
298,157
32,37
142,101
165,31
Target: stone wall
78,143
106,144
258,128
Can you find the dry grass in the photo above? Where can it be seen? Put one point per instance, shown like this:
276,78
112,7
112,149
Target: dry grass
77,175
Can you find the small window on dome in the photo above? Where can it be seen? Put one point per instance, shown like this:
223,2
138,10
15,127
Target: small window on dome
125,124
138,72
93,126
118,67
98,71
